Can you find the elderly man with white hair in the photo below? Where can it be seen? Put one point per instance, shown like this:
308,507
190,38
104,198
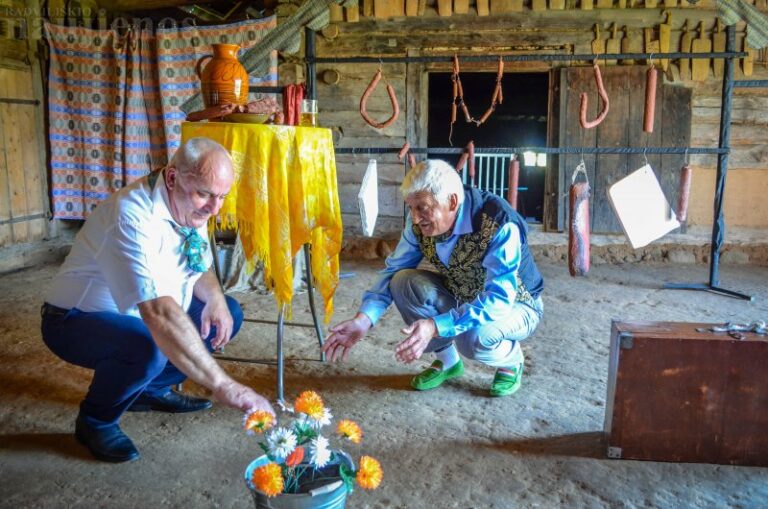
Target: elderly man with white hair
137,302
483,297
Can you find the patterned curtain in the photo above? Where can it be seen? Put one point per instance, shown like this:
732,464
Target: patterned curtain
114,103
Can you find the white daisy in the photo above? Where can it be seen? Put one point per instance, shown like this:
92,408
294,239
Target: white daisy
281,442
319,453
325,420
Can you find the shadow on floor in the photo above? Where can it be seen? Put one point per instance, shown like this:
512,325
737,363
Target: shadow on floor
589,444
59,444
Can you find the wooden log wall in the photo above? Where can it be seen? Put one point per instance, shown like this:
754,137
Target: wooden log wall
24,201
536,27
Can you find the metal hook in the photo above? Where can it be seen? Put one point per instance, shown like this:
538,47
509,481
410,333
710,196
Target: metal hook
685,157
645,158
650,60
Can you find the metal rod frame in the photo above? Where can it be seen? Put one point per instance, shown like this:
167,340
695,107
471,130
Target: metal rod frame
546,150
722,151
522,57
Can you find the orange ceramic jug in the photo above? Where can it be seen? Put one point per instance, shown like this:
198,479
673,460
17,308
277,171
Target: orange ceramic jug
224,79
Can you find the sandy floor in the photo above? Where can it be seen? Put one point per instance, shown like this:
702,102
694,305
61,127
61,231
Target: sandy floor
453,447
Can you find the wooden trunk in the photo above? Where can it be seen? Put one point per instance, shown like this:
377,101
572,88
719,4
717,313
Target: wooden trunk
676,394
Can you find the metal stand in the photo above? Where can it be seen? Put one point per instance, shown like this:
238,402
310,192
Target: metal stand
279,360
718,226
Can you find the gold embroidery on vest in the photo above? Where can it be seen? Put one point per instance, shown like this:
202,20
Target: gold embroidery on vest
465,275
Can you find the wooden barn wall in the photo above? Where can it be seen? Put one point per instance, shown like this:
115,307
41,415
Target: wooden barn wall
23,175
527,31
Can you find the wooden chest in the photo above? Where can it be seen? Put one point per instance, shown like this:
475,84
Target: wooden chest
675,394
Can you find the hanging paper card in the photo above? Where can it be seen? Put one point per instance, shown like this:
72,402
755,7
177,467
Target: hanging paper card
368,199
641,207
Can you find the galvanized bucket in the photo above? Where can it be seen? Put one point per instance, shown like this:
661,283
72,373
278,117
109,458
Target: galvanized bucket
332,494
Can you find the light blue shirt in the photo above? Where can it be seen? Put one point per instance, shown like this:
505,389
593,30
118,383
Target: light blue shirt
501,263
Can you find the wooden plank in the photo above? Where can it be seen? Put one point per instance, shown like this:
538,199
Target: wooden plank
539,5
411,7
552,205
30,131
368,8
397,8
6,233
381,9
557,4
335,13
14,159
505,6
444,7
718,45
700,66
587,5
612,132
675,115
604,4
352,14
461,6
686,39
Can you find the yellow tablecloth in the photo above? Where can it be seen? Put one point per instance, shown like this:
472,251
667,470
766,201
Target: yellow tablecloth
285,195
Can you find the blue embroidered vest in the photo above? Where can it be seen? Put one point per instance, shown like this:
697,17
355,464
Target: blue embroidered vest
464,276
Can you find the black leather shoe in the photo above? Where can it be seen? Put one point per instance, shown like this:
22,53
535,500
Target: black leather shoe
108,444
173,402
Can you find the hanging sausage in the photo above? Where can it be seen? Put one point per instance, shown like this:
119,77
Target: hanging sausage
392,99
651,78
589,124
684,193
578,228
512,181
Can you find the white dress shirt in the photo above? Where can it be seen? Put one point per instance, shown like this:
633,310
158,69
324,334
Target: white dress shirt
128,251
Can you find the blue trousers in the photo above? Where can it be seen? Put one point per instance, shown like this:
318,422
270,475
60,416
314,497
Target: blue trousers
119,349
421,294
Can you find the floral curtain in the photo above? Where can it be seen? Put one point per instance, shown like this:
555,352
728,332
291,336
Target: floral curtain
113,103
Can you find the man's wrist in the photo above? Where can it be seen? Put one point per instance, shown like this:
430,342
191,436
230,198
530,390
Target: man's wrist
364,320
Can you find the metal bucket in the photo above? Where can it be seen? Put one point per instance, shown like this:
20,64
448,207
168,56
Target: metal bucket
330,495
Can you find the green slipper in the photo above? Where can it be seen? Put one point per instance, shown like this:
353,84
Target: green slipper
435,375
504,384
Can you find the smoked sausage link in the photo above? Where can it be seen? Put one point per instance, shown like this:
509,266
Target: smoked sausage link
684,193
512,182
587,124
651,78
392,99
578,231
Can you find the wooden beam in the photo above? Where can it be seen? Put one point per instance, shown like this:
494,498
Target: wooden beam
146,5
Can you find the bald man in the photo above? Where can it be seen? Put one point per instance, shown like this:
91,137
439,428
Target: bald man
137,302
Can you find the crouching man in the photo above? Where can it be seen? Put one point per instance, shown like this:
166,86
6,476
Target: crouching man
483,298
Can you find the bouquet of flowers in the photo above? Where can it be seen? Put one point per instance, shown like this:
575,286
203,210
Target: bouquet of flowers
297,448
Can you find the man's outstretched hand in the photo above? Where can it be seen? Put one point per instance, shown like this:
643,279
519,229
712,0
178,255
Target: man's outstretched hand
344,336
242,397
419,334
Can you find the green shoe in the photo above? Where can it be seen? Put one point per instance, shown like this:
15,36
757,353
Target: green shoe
435,375
504,384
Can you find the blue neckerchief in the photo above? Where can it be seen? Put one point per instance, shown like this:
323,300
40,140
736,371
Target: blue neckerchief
193,248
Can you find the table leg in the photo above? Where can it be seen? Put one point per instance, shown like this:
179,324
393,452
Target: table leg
311,293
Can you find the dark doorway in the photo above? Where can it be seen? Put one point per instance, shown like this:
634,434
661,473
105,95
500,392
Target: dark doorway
520,121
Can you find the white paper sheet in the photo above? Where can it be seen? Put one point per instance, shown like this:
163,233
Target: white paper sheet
368,198
641,207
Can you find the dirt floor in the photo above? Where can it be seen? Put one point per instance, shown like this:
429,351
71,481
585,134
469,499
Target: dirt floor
452,447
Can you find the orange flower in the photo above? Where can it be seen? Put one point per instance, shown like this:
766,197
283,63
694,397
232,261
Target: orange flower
370,473
310,403
350,430
268,479
295,457
258,420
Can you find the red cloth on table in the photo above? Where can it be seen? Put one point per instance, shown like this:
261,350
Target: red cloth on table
292,97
